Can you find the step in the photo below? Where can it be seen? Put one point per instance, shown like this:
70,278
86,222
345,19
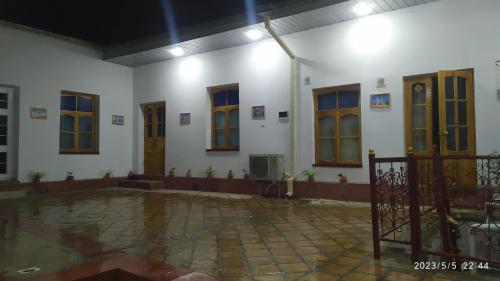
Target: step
141,184
12,193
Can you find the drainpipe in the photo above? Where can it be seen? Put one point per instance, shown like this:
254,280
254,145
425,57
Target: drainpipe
293,91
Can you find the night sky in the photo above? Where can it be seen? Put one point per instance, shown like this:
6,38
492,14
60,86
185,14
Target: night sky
109,22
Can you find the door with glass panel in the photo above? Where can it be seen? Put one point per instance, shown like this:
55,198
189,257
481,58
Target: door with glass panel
154,138
419,127
456,124
440,113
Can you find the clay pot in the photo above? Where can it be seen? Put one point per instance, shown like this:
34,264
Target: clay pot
230,175
343,179
210,175
36,181
171,173
310,179
70,178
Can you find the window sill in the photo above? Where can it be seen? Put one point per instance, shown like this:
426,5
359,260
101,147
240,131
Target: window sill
222,149
79,153
340,165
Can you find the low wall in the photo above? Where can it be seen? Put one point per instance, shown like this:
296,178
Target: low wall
73,185
302,189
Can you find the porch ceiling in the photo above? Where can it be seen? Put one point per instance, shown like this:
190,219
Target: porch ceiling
285,20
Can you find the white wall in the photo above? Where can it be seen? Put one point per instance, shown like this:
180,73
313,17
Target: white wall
262,71
443,35
448,34
43,66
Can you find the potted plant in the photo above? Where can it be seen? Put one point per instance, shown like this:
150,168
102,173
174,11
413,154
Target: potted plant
131,175
210,172
230,175
171,172
108,174
36,176
69,176
246,176
309,175
188,173
343,179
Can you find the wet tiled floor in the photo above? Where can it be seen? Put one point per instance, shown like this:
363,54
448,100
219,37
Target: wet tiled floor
248,238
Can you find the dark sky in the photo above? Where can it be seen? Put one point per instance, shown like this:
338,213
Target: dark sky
109,22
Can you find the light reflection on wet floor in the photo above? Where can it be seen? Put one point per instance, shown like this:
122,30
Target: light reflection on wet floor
250,238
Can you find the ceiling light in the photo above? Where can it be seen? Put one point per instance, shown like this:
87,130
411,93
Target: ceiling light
362,9
254,34
177,51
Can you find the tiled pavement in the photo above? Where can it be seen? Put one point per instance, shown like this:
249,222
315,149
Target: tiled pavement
250,238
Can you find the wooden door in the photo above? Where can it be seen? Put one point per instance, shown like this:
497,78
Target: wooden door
457,125
154,138
418,107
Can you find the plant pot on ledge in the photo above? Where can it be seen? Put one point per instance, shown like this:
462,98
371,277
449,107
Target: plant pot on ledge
171,173
246,176
69,176
342,179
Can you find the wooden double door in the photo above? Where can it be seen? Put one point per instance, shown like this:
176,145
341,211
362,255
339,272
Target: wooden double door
154,138
439,114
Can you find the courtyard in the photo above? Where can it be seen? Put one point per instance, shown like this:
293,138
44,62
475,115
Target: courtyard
226,236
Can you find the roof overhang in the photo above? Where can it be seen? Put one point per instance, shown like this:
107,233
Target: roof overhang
292,17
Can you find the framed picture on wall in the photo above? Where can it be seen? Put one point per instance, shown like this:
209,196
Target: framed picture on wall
118,120
258,112
185,118
38,113
380,101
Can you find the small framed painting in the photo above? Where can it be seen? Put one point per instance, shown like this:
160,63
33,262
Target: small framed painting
380,101
185,118
38,113
258,112
118,120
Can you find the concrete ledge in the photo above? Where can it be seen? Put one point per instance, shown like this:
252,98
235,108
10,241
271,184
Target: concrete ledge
13,193
141,184
302,189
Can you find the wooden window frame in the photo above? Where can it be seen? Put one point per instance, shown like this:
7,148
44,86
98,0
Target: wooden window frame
337,114
76,126
227,127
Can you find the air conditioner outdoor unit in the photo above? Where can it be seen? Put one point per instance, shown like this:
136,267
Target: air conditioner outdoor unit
268,167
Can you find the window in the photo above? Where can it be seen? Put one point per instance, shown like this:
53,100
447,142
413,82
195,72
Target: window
225,117
78,123
337,126
3,129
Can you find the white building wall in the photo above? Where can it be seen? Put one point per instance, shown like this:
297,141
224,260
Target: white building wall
262,71
444,35
41,67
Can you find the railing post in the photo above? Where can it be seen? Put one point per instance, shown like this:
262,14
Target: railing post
416,242
374,204
440,200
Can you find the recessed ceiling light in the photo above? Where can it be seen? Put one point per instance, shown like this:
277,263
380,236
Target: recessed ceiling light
254,34
362,9
177,51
